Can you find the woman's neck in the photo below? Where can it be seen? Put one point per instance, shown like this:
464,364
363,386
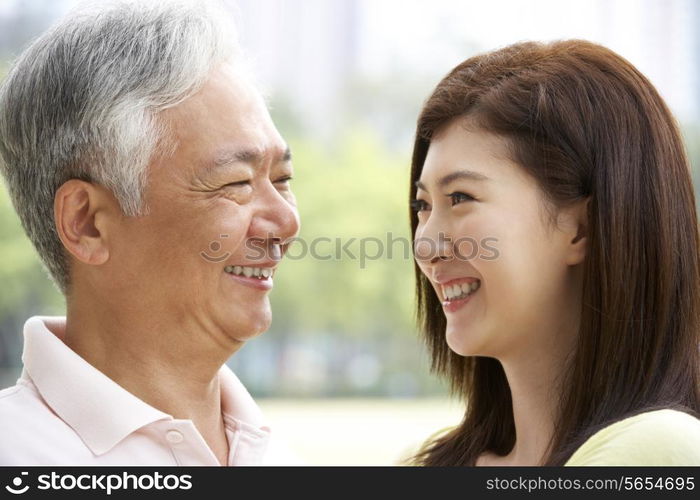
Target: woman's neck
535,382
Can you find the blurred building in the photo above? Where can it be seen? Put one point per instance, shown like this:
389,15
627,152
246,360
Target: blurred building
306,52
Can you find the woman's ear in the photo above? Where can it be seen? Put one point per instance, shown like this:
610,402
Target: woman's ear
573,221
79,209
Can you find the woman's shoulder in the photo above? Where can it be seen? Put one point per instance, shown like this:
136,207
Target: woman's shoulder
658,437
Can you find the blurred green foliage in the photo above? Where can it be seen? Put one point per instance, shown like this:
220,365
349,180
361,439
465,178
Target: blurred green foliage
354,194
24,281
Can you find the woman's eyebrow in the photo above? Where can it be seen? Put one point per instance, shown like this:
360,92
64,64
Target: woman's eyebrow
454,176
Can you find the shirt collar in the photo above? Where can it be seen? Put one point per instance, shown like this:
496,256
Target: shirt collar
98,409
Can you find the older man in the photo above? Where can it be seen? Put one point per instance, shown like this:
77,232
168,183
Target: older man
142,163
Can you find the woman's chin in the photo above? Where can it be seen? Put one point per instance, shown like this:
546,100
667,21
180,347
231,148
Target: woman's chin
457,343
462,341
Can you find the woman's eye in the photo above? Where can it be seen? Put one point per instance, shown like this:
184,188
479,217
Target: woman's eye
460,197
419,205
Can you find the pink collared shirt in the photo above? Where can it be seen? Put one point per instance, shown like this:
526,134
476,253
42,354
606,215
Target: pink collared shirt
63,411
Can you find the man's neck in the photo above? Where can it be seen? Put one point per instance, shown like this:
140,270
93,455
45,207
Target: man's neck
160,364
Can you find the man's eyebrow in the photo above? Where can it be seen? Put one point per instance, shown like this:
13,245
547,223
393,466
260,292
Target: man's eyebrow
454,176
250,156
286,156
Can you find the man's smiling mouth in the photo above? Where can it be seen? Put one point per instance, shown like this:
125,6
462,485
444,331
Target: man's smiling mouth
261,273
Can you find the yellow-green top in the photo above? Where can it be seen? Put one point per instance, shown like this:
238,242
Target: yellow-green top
659,437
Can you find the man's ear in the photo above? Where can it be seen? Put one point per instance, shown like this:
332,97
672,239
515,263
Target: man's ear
80,211
574,224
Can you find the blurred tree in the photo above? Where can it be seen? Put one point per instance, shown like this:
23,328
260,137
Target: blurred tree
352,202
25,288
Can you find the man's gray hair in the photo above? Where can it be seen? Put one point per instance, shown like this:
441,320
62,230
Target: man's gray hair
82,101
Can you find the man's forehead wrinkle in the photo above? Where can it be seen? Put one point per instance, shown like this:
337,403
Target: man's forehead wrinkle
250,155
244,155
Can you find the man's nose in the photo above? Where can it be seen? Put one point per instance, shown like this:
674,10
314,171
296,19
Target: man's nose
276,217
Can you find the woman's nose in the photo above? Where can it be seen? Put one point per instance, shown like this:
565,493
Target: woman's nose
432,244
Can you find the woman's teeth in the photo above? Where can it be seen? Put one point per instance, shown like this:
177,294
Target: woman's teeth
455,292
249,272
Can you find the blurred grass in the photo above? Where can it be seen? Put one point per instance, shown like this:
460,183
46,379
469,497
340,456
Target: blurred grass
358,431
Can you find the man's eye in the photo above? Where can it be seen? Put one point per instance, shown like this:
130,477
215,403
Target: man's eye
283,180
237,184
460,197
419,205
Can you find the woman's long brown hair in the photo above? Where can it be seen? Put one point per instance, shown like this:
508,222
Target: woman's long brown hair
584,123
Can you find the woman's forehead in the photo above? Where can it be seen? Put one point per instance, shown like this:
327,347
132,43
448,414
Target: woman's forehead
467,153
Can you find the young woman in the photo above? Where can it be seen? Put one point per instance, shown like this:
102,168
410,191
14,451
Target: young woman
557,261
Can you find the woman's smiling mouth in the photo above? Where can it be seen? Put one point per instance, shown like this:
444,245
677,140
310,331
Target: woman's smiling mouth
456,293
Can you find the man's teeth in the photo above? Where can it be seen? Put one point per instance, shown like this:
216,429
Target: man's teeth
453,292
249,272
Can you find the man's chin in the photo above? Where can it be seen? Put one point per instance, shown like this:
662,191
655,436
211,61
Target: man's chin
253,327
